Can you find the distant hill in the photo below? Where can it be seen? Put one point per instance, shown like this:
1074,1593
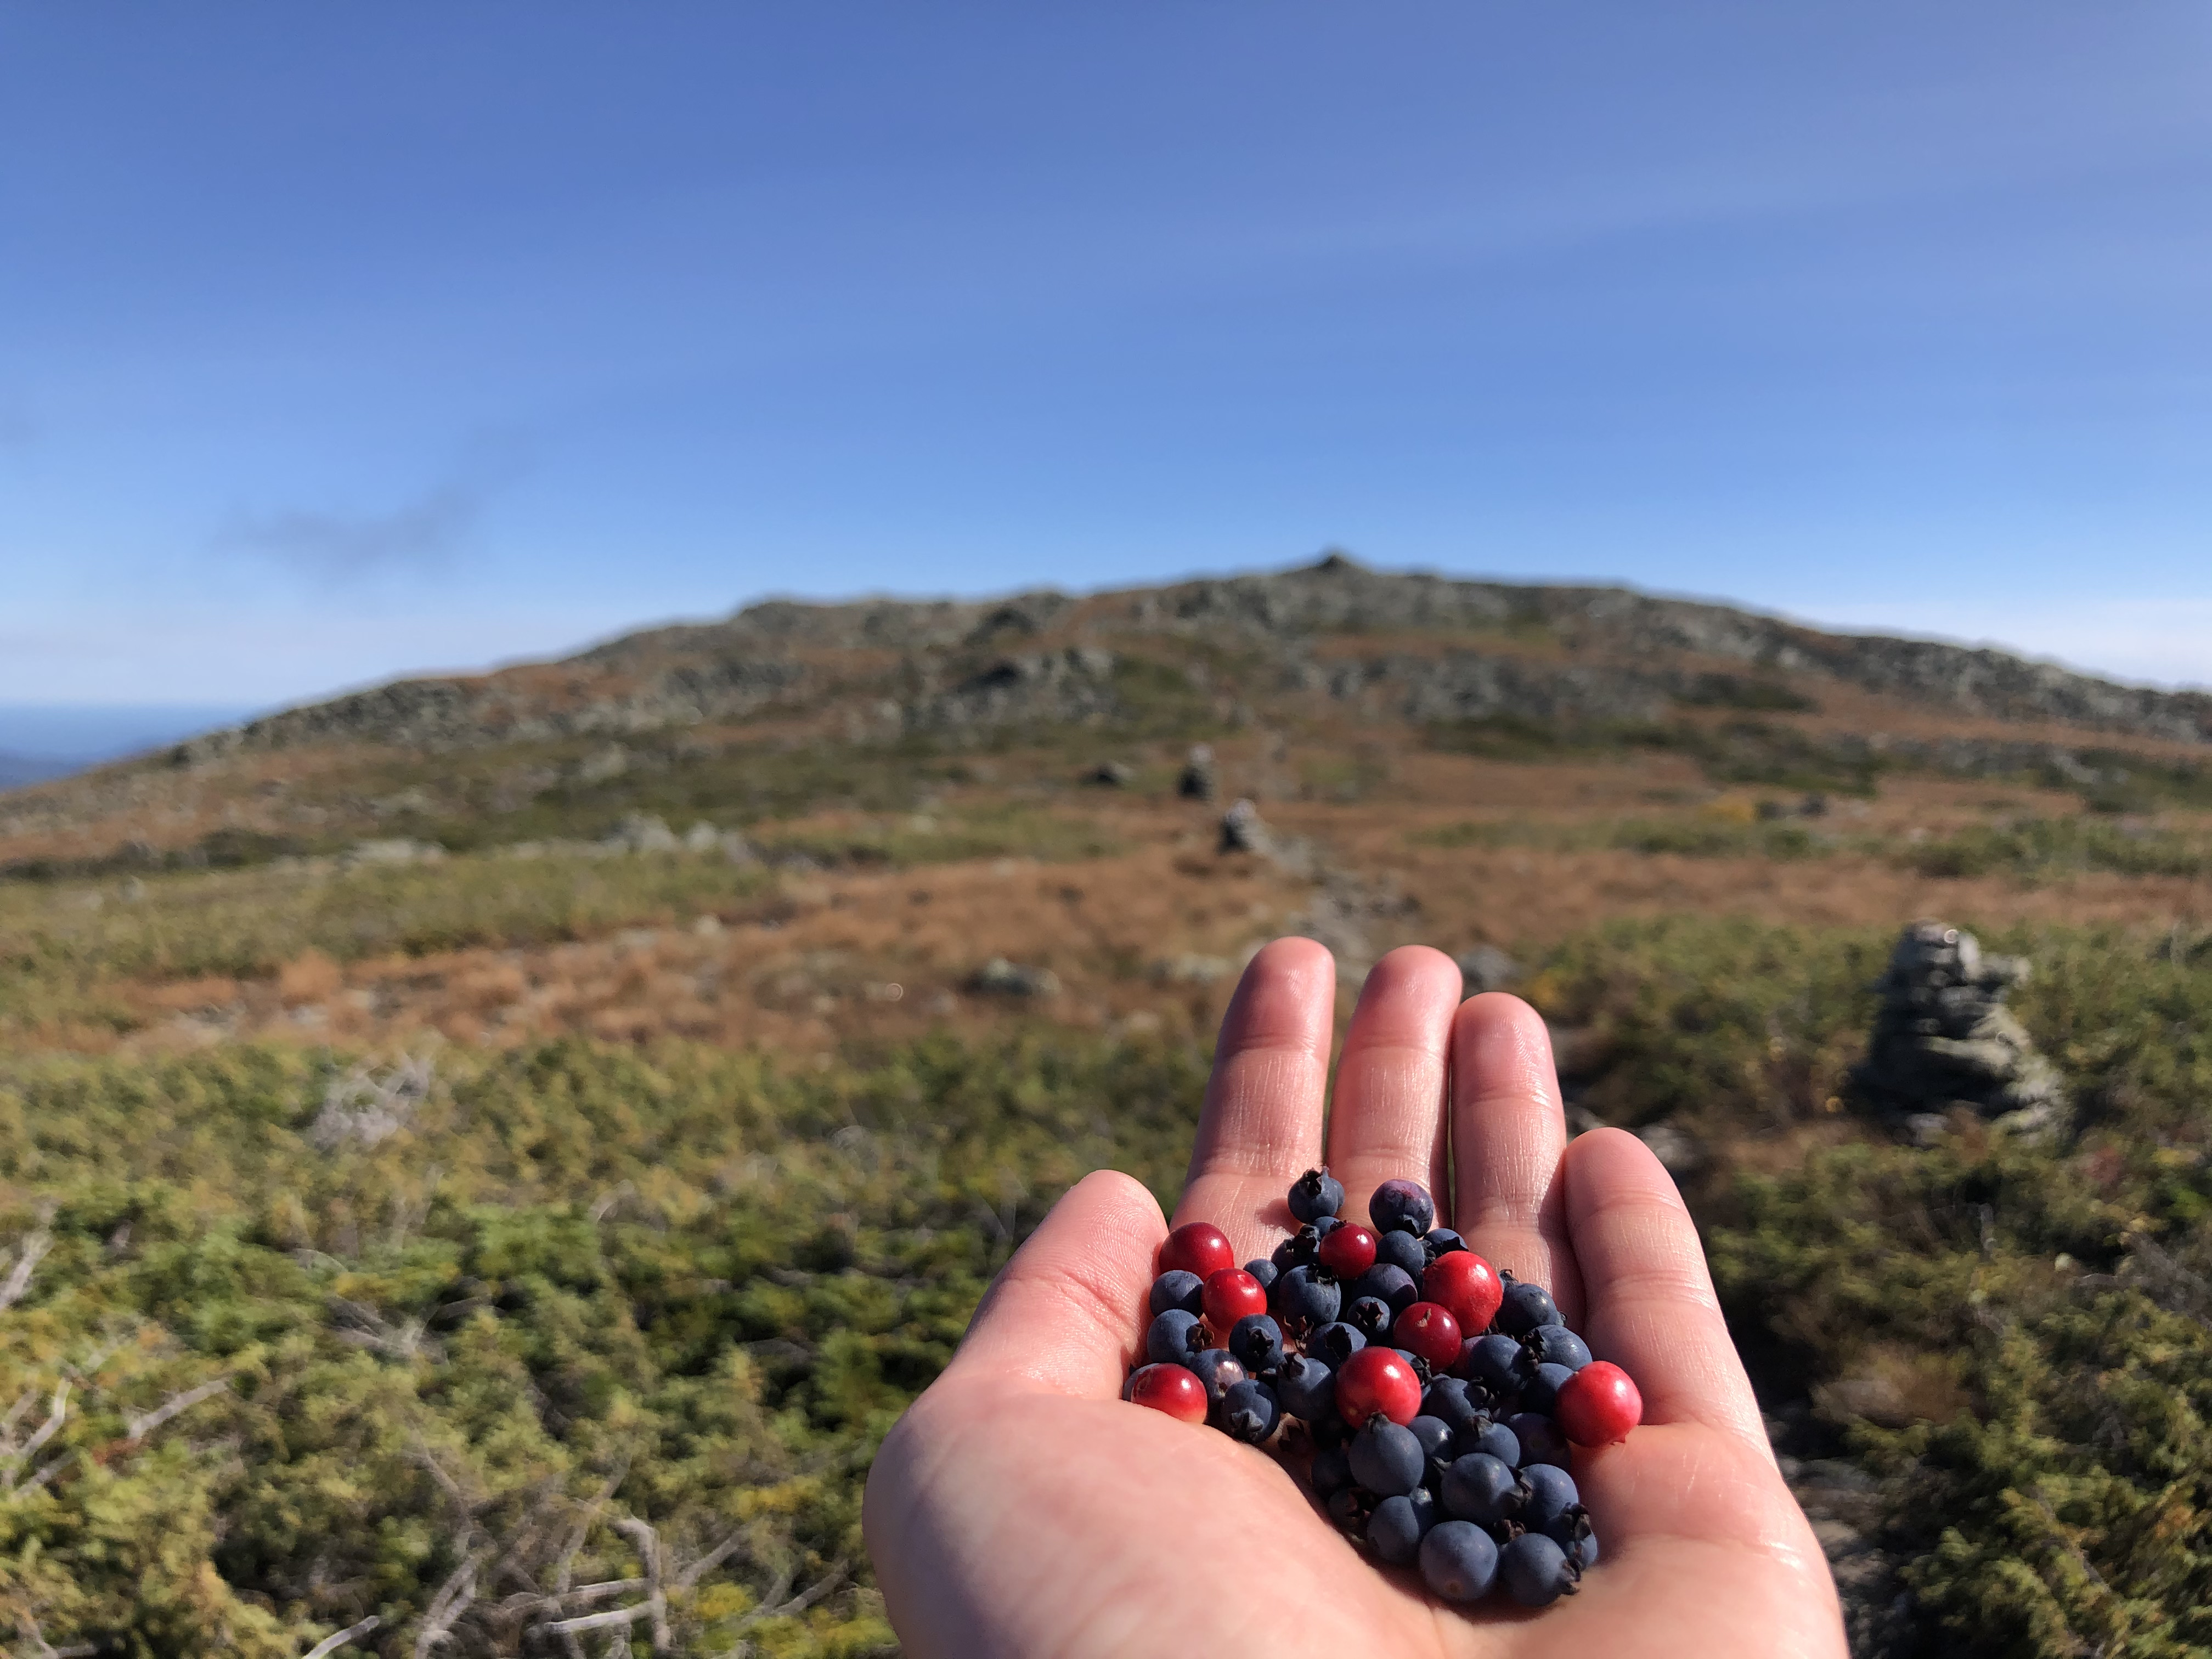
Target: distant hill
786,708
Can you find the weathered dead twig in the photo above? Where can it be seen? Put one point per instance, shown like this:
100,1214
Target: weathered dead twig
337,1639
139,1426
28,1254
648,1546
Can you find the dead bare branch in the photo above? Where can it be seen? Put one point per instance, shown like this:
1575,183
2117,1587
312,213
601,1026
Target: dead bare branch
337,1639
446,1607
137,1426
28,1254
648,1546
799,1603
585,1520
56,1414
712,1559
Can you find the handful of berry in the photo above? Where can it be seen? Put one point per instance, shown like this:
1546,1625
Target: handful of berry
1440,1397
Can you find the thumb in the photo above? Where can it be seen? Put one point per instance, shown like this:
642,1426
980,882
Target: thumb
1065,1315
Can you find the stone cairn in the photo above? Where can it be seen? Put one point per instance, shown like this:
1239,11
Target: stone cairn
1199,782
1943,1039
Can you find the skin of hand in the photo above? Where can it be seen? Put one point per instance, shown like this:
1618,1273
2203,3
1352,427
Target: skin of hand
1020,1510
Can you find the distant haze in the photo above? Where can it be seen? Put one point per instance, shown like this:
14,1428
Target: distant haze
49,740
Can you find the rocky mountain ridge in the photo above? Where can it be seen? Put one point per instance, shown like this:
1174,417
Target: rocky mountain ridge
1417,647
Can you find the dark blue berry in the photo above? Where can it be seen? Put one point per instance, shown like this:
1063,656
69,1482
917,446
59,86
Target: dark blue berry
1332,1472
1441,1241
1326,1225
1306,1388
1551,1494
1315,1195
1458,1561
1394,1531
1249,1411
1526,1307
1296,1250
1331,1430
1218,1370
1401,1250
1389,1284
1535,1570
1369,1315
1176,1289
1500,1442
1335,1343
1447,1398
1478,1488
1541,1393
1257,1342
1401,1206
1541,1441
1495,1362
1265,1272
1386,1457
1349,1507
1304,1297
1571,1533
1174,1337
1436,1438
1555,1344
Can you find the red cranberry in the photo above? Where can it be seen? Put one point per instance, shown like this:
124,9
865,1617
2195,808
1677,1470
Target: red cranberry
1378,1379
1599,1404
1468,1286
1428,1330
1197,1247
1228,1296
1174,1389
1347,1252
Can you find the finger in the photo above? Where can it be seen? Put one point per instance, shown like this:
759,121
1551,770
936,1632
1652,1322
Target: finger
1261,1126
1065,1313
1507,1130
1388,1121
1651,1309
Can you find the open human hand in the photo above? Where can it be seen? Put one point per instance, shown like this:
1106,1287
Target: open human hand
1021,1510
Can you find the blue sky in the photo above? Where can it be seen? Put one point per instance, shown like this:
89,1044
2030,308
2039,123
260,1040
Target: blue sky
342,342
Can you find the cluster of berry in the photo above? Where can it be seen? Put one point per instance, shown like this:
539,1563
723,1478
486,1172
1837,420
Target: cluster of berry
1446,1445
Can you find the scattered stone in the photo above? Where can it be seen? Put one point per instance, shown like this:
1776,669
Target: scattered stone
1242,830
1189,970
1001,978
1485,968
1198,780
393,851
1943,1039
1110,775
1680,1152
640,832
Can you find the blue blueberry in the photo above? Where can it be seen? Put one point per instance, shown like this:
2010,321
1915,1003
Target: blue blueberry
1177,1290
1335,1343
1551,1494
1402,1250
1296,1250
1403,1207
1249,1411
1174,1337
1304,1297
1386,1457
1218,1370
1436,1438
1571,1533
1316,1193
1526,1306
1326,1225
1536,1571
1458,1561
1393,1287
1494,1361
1477,1488
1394,1531
1541,1441
1349,1507
1257,1342
1369,1315
1555,1344
1441,1241
1541,1393
1306,1388
1265,1272
1330,1430
1332,1472
1495,1438
1447,1398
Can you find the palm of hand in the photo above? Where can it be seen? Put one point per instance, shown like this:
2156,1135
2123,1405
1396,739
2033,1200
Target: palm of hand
1021,1509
